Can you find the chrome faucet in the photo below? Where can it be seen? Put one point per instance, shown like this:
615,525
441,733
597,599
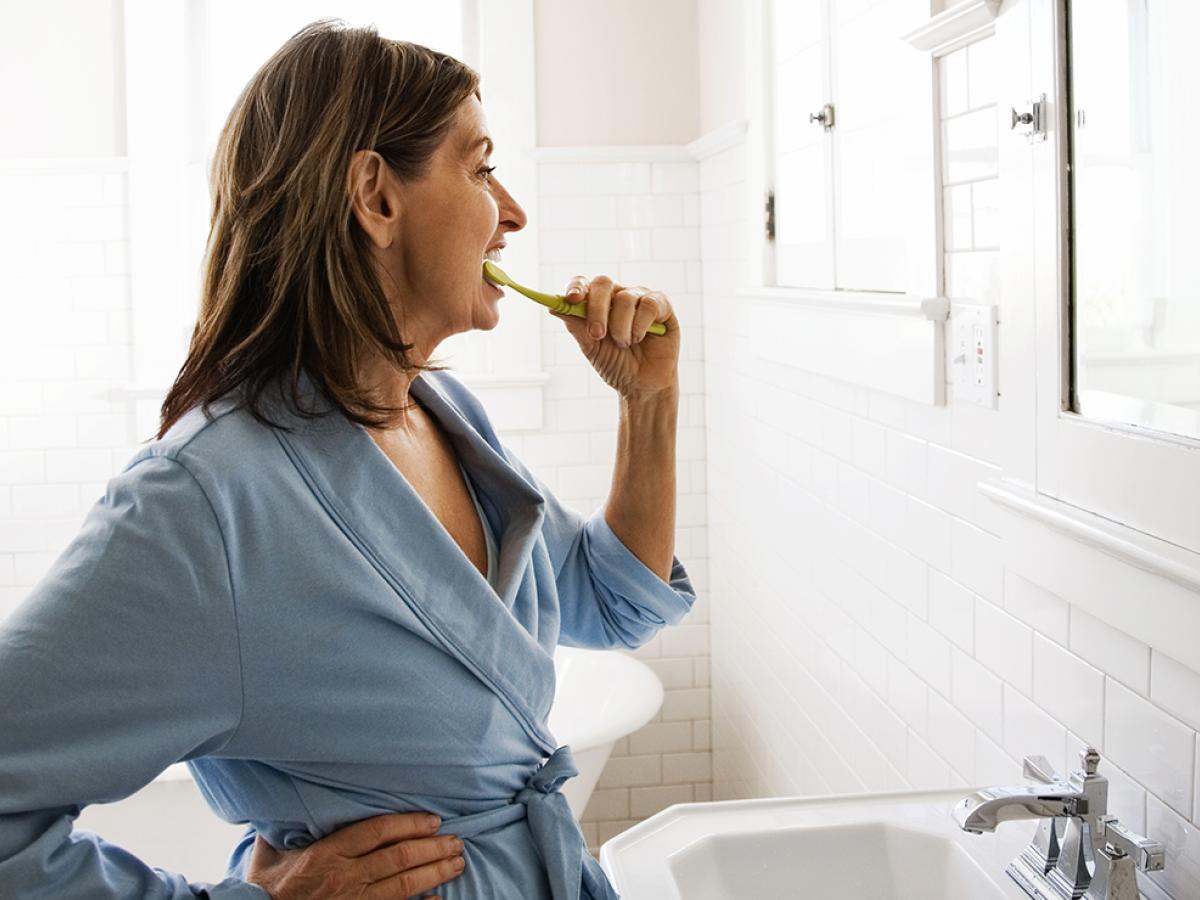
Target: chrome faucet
1078,852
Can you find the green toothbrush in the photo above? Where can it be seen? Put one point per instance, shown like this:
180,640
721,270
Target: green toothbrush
556,302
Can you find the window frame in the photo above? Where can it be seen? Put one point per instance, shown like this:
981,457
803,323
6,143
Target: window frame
899,338
1144,480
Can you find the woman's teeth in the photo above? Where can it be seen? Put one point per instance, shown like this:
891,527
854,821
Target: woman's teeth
493,255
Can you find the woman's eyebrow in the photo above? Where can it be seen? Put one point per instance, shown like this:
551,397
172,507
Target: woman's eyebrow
483,140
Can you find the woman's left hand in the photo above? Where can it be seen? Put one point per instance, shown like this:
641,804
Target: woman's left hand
613,336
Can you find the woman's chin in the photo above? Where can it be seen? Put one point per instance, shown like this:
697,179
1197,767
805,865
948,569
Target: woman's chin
490,319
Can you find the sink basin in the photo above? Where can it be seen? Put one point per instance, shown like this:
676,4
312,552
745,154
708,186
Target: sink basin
902,846
885,863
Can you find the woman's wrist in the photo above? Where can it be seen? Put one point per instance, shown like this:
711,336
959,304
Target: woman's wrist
661,397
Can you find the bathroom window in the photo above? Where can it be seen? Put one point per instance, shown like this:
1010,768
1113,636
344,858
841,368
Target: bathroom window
851,156
970,172
1135,138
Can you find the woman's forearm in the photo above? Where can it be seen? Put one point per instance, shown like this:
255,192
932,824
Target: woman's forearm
641,505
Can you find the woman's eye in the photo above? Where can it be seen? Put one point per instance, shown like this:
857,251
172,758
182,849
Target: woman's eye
486,172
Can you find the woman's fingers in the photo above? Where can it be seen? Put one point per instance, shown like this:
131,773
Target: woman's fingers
395,862
577,289
620,314
599,297
385,862
623,313
650,308
413,881
360,838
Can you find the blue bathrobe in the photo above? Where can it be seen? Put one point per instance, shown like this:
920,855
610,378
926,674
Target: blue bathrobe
283,612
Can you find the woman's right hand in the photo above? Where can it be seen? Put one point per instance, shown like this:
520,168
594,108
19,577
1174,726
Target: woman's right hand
395,855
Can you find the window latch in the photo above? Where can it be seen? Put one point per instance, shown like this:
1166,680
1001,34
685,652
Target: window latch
1035,117
825,116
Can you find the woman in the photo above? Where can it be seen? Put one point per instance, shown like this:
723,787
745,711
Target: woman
327,586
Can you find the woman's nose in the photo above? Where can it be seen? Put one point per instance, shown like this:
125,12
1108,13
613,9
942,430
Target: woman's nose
512,216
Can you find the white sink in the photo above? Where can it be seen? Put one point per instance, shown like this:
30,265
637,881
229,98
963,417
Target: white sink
902,846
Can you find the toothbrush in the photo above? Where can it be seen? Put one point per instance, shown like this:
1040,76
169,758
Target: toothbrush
556,302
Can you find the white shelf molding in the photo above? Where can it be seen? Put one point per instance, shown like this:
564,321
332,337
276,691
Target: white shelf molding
961,24
935,309
893,343
602,153
1142,585
728,135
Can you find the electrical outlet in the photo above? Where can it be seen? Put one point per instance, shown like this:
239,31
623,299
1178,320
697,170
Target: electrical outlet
973,353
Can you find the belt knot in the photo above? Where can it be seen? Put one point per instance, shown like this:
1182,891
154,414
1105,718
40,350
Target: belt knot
551,775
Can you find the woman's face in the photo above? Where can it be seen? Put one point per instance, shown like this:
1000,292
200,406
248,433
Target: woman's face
437,232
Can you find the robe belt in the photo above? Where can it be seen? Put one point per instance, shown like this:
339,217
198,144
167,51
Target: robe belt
555,833
556,836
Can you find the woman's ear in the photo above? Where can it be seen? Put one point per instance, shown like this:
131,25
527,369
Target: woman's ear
374,197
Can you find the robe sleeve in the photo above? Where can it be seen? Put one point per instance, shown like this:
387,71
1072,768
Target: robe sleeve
122,660
608,598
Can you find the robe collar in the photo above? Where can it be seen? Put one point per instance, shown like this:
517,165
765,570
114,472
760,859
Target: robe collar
391,525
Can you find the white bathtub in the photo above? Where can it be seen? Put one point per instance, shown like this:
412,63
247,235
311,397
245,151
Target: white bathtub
601,697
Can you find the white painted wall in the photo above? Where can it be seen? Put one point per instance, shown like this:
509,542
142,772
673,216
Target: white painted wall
616,72
64,93
721,60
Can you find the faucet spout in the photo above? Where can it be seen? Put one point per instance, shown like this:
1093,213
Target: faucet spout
1078,852
984,810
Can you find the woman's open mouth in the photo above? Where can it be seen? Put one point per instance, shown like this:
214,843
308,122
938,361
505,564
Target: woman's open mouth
494,256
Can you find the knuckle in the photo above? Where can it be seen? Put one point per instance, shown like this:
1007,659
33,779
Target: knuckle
374,829
602,280
404,855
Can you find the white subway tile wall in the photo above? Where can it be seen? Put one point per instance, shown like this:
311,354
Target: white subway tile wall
64,429
638,223
859,646
64,357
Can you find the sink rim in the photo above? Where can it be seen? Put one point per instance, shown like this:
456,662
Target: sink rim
693,855
636,859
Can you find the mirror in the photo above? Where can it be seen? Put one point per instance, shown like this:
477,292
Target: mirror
1134,187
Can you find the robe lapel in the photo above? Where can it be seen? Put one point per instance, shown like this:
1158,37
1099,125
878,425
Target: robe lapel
514,508
452,604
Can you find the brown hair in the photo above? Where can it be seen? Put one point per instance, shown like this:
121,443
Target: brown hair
288,282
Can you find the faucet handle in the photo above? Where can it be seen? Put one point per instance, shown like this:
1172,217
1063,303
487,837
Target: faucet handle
1039,769
1148,855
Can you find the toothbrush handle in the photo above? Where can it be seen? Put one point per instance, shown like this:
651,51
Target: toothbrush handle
580,310
559,304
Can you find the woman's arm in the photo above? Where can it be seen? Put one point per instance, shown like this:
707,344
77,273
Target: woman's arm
641,504
122,660
619,581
